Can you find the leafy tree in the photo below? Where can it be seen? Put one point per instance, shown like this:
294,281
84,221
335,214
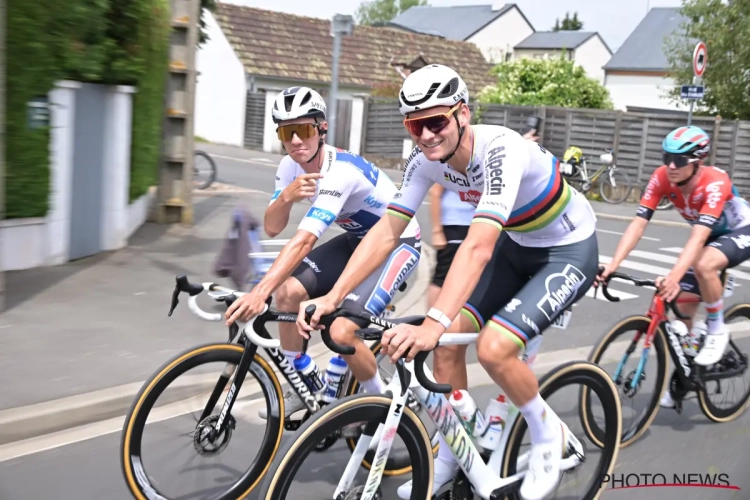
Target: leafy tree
209,5
377,11
568,23
545,82
724,26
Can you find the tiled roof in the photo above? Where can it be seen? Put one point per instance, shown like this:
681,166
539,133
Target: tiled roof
457,22
643,50
280,45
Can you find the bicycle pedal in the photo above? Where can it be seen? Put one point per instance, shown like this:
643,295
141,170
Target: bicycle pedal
505,491
292,425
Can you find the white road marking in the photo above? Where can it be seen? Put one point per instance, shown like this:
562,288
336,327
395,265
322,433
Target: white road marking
673,260
616,232
678,250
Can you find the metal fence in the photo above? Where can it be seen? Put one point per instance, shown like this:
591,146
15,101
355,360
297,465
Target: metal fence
635,138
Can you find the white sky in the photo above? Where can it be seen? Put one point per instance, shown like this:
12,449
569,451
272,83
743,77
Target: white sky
613,20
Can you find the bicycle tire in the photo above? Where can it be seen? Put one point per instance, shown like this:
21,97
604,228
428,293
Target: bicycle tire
345,411
607,181
629,436
557,378
135,420
707,407
395,465
211,162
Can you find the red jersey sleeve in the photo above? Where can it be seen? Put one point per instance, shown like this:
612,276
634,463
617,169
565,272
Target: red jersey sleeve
718,189
655,190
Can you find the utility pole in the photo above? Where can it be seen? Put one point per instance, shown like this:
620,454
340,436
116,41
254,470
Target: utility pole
3,11
175,200
340,25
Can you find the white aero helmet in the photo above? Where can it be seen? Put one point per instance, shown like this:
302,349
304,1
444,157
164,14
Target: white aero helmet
298,102
430,86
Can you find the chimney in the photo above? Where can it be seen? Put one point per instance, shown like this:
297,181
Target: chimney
497,5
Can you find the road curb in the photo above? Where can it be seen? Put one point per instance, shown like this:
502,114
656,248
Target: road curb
626,218
32,421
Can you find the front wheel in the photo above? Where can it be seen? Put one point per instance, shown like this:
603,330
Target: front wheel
204,170
398,463
352,410
184,403
627,339
615,186
591,378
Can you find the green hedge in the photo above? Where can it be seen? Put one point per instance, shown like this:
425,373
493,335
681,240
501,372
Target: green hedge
96,41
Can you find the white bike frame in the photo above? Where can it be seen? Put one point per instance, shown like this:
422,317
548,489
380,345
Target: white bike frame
484,477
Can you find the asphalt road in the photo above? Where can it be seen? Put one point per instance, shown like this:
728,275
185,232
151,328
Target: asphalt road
86,466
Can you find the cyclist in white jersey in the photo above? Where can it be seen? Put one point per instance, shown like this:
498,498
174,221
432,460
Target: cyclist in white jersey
345,189
530,253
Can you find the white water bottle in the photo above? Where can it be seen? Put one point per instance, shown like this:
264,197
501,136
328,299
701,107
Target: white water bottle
495,417
681,330
467,410
334,376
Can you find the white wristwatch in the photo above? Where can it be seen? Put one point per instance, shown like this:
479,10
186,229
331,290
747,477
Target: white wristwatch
438,316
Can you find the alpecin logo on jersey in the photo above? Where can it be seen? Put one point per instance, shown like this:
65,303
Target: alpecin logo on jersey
561,287
494,181
470,196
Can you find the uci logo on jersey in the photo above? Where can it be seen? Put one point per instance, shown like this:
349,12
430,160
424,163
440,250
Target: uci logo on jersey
372,202
456,180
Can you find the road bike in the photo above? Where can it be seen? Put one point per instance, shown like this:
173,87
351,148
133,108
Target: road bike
492,475
655,330
203,176
212,430
615,180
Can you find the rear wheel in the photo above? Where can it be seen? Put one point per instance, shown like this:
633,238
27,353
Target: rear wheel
615,186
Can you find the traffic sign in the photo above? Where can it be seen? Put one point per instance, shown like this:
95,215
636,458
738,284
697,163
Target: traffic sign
692,91
700,54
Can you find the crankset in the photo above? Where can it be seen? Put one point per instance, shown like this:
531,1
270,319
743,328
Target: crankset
205,439
460,488
678,391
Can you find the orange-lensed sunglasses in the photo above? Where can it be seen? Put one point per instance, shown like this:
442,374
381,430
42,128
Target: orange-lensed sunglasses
303,131
434,123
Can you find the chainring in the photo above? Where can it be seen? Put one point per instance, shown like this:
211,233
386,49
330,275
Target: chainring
356,493
460,488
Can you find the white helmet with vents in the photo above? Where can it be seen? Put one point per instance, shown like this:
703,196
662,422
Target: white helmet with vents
430,86
298,102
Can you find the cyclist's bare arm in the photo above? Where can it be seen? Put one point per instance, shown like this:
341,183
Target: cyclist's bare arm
289,258
276,217
371,252
629,240
436,199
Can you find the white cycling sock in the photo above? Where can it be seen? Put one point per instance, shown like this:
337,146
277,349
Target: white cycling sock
373,386
715,316
540,419
291,355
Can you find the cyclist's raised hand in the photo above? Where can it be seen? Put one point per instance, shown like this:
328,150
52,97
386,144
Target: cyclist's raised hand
323,305
303,187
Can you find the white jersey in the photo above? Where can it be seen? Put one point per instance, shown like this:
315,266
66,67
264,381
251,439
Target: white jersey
453,211
514,183
352,192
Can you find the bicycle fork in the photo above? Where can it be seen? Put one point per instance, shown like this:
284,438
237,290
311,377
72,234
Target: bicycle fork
617,377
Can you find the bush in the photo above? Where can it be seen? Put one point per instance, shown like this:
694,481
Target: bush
95,41
545,82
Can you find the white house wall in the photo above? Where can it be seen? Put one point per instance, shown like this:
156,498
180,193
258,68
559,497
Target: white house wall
501,35
592,55
640,91
220,92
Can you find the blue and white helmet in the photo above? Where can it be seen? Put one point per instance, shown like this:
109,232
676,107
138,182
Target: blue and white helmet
689,141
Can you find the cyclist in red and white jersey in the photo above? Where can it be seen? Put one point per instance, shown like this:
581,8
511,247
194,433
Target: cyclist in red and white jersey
719,239
345,189
530,253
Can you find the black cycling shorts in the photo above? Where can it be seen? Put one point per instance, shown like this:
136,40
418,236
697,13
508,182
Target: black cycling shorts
320,270
454,236
735,246
524,289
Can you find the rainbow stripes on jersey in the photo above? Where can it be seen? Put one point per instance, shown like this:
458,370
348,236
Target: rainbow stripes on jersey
400,211
538,213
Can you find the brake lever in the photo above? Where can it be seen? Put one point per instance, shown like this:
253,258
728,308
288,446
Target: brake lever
175,300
